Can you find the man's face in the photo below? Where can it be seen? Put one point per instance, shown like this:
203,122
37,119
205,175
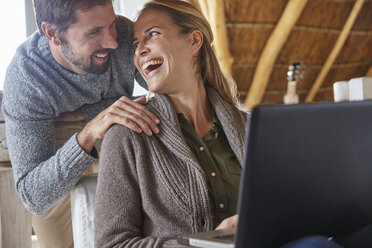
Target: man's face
86,44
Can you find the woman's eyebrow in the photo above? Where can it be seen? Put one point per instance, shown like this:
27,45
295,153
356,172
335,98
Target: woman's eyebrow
146,31
149,29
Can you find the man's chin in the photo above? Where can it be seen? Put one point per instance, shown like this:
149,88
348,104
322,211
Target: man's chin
98,69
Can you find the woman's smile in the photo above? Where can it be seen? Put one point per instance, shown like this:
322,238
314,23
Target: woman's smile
150,67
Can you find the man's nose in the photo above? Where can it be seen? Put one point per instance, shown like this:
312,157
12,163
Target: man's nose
109,41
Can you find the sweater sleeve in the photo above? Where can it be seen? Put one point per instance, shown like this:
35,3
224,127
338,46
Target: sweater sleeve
118,207
42,176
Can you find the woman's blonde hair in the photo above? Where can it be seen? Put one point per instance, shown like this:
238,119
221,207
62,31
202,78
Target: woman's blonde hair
188,18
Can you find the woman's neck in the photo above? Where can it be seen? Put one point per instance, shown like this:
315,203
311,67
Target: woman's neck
195,106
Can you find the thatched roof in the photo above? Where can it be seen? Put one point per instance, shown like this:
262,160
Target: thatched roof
332,38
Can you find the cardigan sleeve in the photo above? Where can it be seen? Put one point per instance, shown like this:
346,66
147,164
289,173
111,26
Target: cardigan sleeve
118,213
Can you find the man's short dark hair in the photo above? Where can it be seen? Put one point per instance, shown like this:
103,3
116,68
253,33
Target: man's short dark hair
61,13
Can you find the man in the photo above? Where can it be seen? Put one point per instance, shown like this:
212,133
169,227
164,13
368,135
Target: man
76,68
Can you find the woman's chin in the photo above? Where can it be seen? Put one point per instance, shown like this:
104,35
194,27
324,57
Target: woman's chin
156,88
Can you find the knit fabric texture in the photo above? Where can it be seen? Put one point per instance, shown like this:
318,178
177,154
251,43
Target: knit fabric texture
152,188
36,90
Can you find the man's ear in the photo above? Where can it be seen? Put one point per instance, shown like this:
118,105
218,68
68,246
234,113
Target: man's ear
50,32
196,40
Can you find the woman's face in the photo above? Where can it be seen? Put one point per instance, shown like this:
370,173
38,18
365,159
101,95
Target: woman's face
163,55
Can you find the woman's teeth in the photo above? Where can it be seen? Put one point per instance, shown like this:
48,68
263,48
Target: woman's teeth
145,66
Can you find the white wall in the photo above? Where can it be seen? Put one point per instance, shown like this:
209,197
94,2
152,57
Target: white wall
128,8
13,32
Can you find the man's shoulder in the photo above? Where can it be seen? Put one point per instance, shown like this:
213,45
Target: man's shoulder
35,44
122,20
31,53
24,94
125,50
124,27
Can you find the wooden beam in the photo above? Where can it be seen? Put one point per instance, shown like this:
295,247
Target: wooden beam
271,51
203,4
220,43
214,11
369,73
335,50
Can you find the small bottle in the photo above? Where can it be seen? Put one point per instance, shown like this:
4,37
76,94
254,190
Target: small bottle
292,76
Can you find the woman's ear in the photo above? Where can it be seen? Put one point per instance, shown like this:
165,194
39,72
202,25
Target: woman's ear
196,40
50,33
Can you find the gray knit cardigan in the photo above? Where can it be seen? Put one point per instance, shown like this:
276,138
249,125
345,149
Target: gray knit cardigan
152,188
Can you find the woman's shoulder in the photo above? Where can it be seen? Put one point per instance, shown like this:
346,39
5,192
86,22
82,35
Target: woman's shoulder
119,133
160,105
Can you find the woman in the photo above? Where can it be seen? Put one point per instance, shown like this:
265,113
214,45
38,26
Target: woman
186,178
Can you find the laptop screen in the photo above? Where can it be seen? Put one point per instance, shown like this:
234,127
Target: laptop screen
307,171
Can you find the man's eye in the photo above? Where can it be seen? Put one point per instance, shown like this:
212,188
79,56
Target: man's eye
135,45
94,32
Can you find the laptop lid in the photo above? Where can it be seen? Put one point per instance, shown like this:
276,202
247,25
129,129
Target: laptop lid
307,171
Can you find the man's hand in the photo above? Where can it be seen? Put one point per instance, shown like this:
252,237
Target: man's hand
228,222
124,111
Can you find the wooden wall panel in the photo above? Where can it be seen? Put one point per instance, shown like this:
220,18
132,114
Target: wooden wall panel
324,95
307,45
251,22
364,19
15,222
276,97
247,42
345,73
256,11
337,73
278,78
326,13
330,14
243,76
273,98
357,47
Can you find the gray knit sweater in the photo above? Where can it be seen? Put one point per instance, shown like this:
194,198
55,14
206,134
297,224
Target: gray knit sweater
152,188
36,90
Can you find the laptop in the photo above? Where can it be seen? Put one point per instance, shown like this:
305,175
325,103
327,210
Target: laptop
307,171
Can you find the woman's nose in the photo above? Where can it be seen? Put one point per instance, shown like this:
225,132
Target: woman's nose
142,50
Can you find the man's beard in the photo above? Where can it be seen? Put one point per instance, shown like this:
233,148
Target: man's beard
91,67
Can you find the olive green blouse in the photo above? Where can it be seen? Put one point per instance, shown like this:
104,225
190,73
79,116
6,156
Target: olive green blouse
219,164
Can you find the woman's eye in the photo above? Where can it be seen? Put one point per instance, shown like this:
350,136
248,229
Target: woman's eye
153,33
